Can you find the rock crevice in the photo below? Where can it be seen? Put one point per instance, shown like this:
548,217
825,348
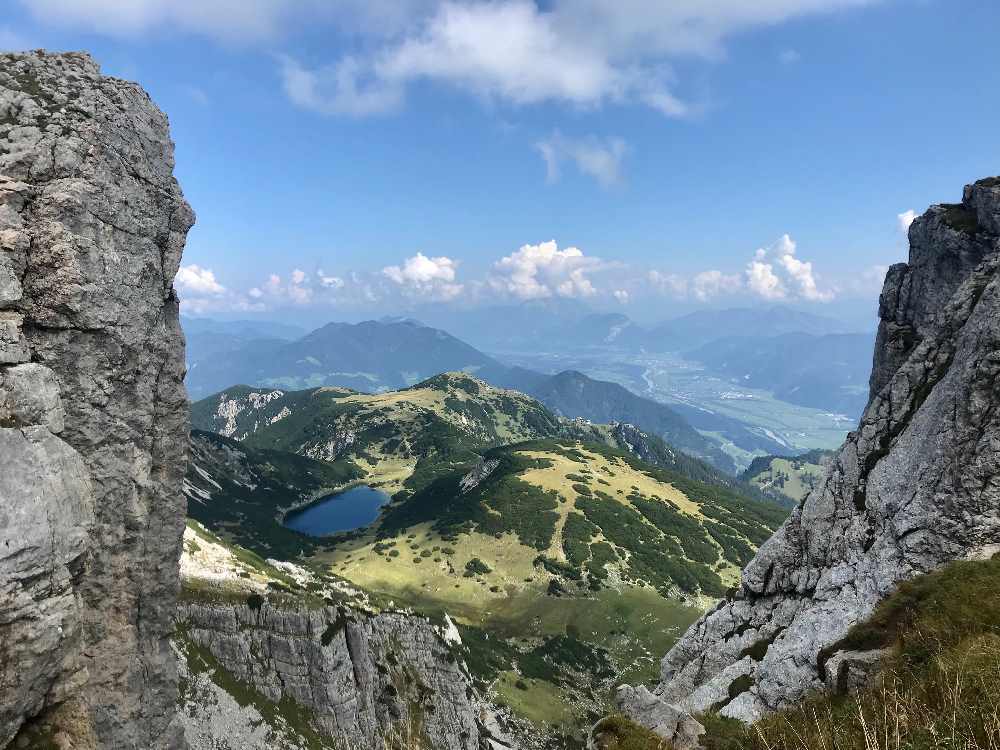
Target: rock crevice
360,678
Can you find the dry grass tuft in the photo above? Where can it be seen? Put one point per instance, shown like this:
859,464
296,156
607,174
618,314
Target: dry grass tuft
939,691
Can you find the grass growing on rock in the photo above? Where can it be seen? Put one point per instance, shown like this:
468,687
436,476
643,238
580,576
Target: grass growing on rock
939,689
616,732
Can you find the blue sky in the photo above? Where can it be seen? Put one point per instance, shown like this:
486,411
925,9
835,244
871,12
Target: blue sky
350,157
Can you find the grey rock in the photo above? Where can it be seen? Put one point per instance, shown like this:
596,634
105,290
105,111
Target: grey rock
29,395
360,676
46,511
480,471
86,183
10,285
848,671
671,722
13,347
917,485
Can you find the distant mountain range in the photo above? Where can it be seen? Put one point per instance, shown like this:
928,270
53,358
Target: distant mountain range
825,372
699,328
573,394
387,355
567,325
369,356
812,367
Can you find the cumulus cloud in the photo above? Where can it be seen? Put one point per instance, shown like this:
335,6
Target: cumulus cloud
905,219
622,296
668,283
543,270
276,291
595,157
709,284
201,293
762,281
198,281
796,278
426,277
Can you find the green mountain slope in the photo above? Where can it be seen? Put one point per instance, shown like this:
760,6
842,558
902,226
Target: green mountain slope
568,565
378,356
241,492
387,434
566,557
787,479
573,394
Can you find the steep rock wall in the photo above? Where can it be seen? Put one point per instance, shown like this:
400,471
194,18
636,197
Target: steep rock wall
915,486
93,413
361,679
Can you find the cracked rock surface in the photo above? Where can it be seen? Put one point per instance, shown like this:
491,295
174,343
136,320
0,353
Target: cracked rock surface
362,678
917,485
93,413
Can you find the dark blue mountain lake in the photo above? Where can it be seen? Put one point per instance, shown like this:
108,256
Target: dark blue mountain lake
345,511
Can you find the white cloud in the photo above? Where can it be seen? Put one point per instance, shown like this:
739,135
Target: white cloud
799,279
599,158
543,270
801,272
345,88
197,280
330,282
622,296
905,219
709,284
581,52
426,277
276,291
789,57
668,283
762,281
201,293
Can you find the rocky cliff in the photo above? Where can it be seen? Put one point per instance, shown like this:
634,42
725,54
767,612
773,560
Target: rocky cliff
329,674
93,413
915,486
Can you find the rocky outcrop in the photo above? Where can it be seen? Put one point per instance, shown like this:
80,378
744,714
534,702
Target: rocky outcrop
915,486
361,679
93,414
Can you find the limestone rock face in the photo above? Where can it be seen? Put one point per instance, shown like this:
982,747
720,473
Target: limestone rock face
915,486
361,677
93,413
